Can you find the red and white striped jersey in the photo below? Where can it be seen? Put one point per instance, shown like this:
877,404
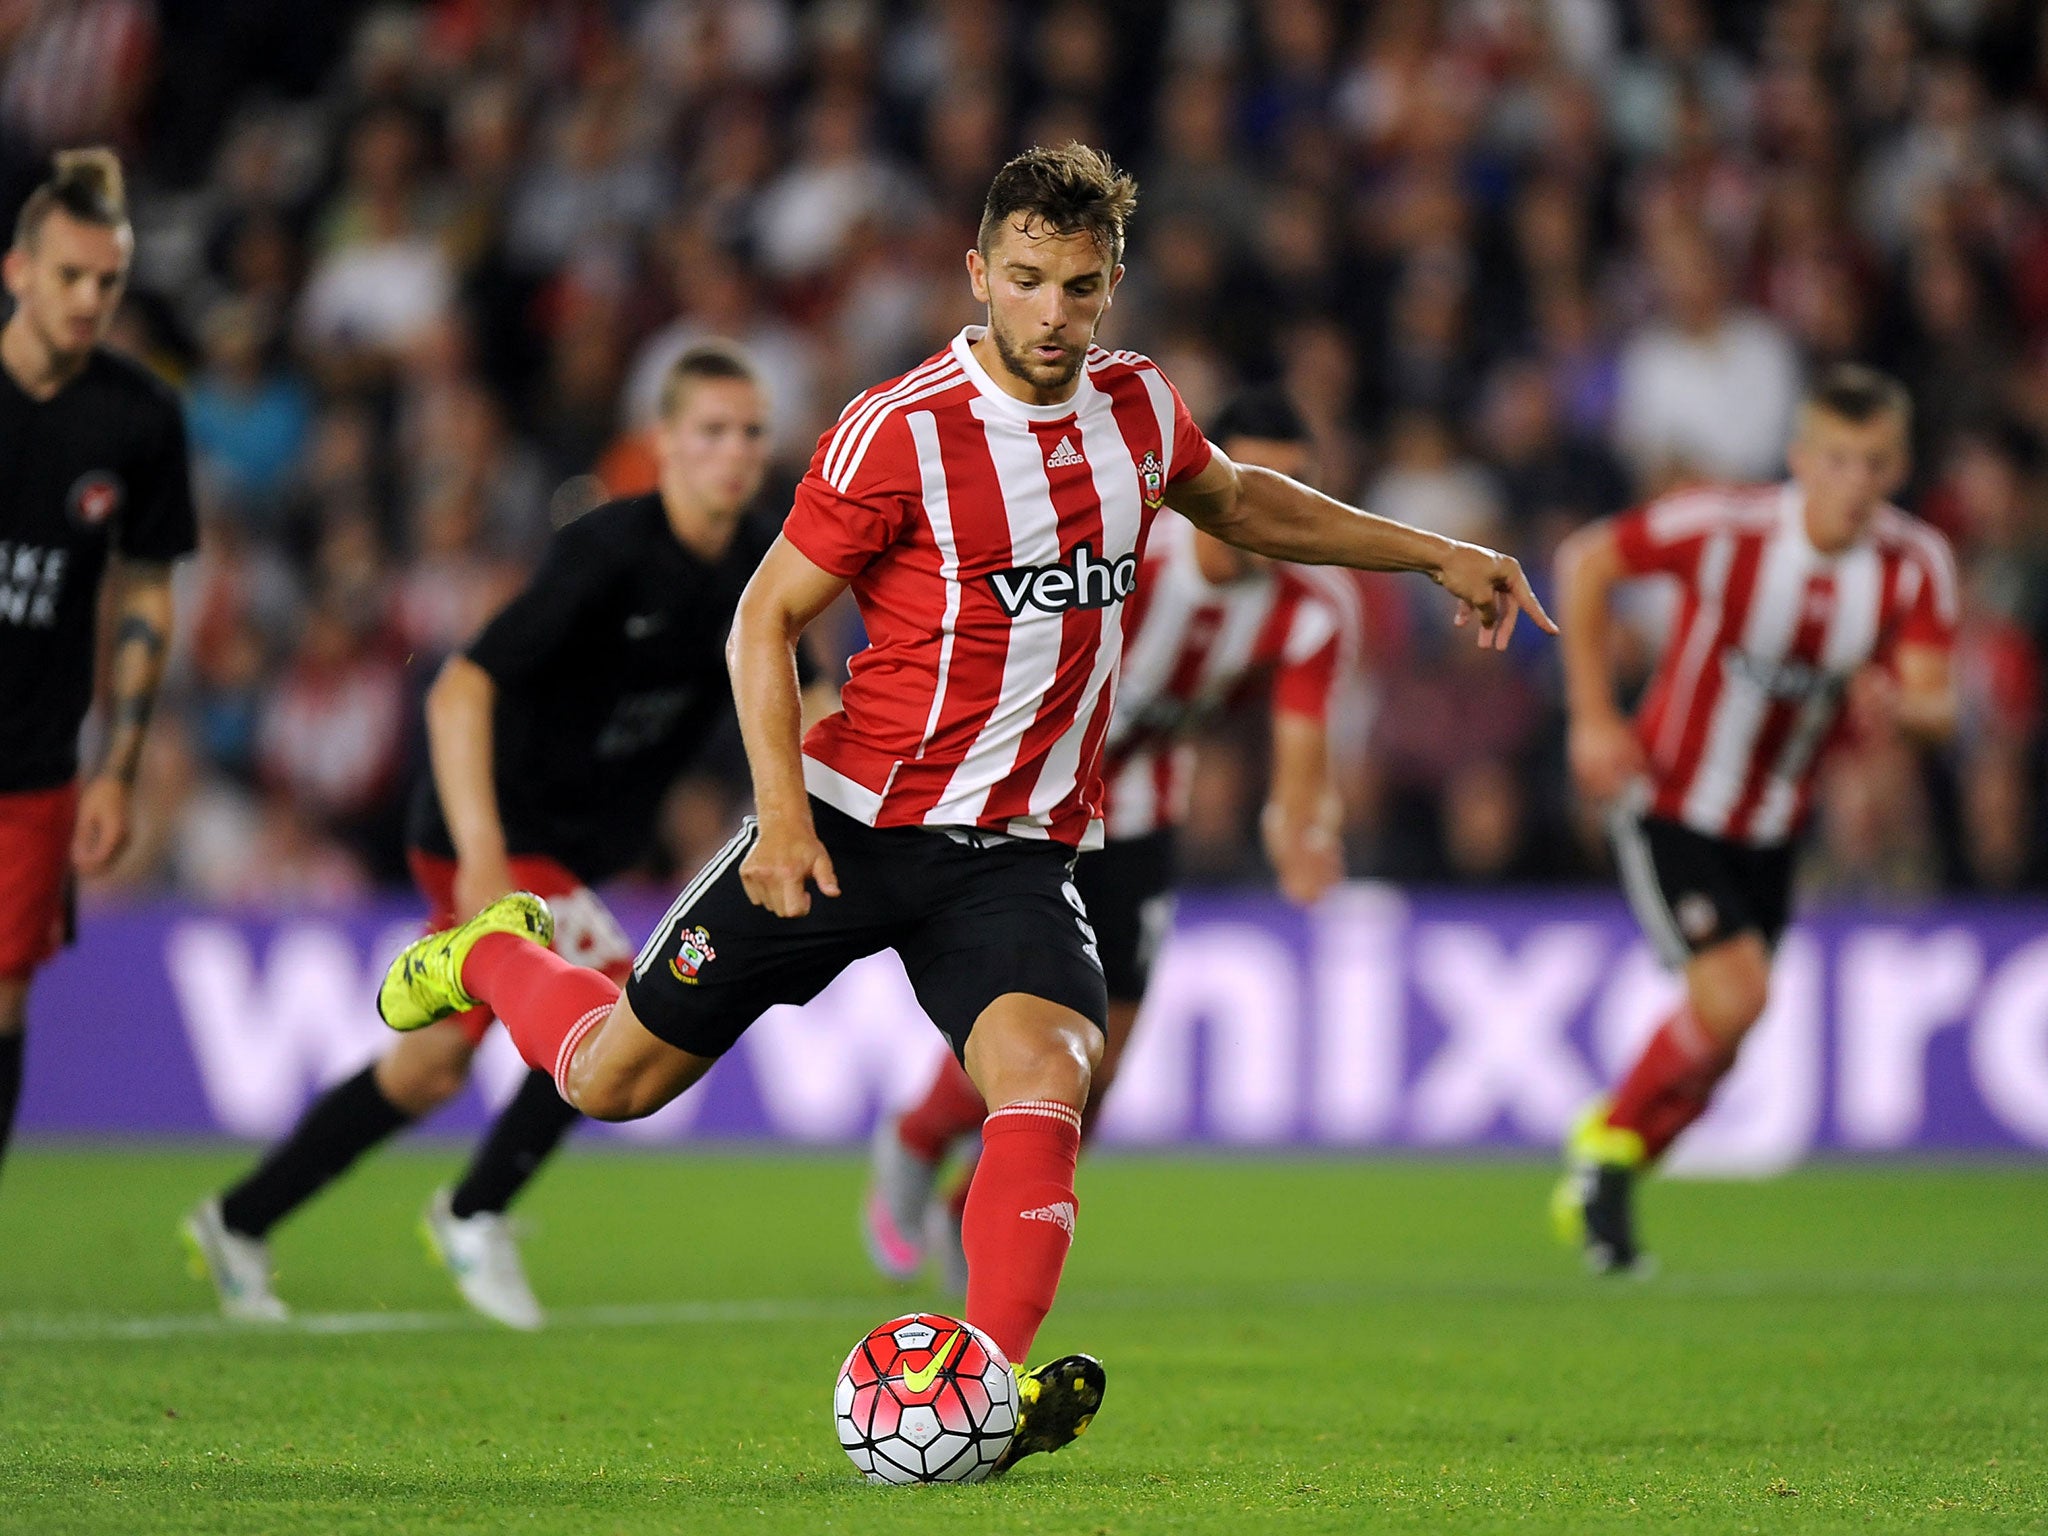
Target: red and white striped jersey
1769,632
1191,648
991,546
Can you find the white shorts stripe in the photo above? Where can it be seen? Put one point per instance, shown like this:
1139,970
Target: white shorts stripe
1639,884
730,854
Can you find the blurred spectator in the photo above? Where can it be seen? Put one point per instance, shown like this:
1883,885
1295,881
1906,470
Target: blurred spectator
1429,483
837,180
249,420
333,732
1551,478
382,278
718,297
75,72
1707,389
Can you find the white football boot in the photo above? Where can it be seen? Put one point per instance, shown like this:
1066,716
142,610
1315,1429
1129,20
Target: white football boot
238,1266
481,1255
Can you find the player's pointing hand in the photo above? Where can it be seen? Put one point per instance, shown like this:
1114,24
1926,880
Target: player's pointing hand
782,866
1490,586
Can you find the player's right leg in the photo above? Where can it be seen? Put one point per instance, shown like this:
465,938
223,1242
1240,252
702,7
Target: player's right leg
714,964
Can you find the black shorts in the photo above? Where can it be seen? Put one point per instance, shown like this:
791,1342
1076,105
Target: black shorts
1690,891
1127,886
971,919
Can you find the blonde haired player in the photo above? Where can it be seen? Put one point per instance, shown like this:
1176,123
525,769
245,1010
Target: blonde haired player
1791,595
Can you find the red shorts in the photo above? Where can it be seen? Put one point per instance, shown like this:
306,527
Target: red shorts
35,877
585,930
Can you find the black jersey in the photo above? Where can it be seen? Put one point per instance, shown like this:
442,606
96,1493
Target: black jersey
98,468
610,672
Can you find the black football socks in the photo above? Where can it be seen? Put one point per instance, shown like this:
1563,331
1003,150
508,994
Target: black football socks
342,1124
525,1132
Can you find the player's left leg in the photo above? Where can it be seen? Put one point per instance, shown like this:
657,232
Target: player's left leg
1005,962
1033,1061
1126,889
955,1104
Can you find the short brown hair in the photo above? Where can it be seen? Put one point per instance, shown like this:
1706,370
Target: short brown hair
1856,394
706,360
1071,190
85,183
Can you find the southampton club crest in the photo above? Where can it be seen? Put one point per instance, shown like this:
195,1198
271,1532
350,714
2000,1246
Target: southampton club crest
693,952
1153,476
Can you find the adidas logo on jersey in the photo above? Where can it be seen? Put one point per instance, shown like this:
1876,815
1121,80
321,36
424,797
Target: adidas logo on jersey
1087,582
1060,1213
1065,456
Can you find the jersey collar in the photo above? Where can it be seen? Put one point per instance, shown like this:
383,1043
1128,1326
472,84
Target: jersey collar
990,390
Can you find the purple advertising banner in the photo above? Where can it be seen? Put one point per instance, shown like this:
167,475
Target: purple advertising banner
1381,1019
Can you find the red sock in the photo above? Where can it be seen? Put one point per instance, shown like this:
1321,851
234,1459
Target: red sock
548,1004
1020,1220
950,1109
1671,1083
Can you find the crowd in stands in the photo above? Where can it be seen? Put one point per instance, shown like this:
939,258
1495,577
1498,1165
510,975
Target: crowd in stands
418,269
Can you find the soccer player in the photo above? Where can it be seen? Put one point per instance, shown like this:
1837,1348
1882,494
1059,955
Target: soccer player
1206,624
552,741
92,447
1789,595
986,509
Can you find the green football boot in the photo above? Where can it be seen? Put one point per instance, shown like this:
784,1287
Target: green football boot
424,984
1055,1405
1593,1206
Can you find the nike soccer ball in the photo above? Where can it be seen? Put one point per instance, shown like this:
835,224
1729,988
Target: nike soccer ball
925,1399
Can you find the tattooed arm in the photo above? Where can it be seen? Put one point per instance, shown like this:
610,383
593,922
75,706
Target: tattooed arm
142,633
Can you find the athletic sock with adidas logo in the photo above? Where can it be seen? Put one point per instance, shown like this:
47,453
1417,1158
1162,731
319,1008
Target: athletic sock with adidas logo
1019,1220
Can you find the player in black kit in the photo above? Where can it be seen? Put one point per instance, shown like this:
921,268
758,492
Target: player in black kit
553,740
93,476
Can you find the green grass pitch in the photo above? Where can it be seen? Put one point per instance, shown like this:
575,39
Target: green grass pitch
1293,1346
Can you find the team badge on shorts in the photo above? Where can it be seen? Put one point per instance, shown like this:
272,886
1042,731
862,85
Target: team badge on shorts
1697,916
95,496
1154,478
693,953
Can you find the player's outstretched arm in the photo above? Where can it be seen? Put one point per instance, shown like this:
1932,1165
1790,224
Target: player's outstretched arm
787,592
1605,755
1266,512
142,633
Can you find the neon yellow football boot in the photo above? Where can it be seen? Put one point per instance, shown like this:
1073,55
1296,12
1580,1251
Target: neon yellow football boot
424,984
1055,1405
1593,1206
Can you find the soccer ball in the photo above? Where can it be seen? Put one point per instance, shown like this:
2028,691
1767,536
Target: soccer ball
925,1399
